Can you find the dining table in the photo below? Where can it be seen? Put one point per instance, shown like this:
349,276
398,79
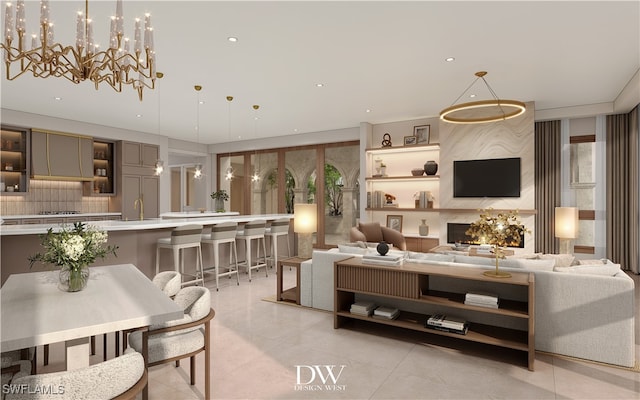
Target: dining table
36,311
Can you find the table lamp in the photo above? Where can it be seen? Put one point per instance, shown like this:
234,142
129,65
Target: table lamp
566,227
305,223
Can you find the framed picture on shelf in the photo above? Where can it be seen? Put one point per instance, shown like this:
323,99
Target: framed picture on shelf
410,140
394,222
422,133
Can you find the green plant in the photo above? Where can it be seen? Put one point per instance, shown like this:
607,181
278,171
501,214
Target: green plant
74,248
220,195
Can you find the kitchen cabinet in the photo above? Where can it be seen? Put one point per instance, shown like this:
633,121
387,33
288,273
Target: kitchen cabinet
136,179
61,156
14,160
140,155
103,170
136,187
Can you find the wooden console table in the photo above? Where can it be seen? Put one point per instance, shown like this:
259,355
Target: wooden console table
292,294
411,283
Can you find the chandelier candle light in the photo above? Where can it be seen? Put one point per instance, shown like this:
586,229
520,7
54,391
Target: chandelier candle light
116,65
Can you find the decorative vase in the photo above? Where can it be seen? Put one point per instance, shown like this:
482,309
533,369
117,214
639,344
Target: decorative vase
430,167
219,205
383,248
73,280
423,228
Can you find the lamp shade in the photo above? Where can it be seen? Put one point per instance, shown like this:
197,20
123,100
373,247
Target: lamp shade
566,222
305,218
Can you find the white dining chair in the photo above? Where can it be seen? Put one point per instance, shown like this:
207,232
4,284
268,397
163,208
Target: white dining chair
119,378
183,338
278,228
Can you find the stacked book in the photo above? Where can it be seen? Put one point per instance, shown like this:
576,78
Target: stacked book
363,308
484,249
444,323
376,199
390,260
386,313
481,299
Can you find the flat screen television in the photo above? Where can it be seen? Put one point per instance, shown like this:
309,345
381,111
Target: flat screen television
498,177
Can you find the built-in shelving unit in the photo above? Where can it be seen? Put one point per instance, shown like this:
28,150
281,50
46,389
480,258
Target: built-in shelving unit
412,284
103,183
14,163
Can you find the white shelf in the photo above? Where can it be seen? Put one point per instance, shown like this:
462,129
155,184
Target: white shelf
404,149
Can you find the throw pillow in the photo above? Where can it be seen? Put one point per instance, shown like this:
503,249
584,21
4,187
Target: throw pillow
562,260
602,269
372,231
593,262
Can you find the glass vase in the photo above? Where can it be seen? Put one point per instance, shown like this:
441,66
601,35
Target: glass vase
73,280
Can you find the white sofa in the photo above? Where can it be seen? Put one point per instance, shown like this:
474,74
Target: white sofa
582,311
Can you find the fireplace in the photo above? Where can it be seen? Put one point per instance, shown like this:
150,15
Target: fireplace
456,234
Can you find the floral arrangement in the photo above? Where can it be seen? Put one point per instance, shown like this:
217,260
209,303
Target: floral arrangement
74,248
220,195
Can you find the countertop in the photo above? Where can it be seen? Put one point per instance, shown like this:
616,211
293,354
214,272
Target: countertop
25,216
197,214
156,223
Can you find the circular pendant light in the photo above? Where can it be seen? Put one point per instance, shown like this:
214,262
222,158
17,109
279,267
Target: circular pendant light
478,112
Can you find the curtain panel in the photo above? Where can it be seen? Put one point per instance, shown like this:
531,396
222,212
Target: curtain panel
623,185
548,144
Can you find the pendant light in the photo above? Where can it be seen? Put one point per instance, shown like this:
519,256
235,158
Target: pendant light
256,169
159,167
228,175
198,172
478,112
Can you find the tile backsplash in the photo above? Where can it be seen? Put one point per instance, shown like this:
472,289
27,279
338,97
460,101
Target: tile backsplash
52,196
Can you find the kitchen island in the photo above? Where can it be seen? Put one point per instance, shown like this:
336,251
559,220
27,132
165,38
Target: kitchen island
136,241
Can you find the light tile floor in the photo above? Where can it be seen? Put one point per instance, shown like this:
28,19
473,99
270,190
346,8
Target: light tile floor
257,345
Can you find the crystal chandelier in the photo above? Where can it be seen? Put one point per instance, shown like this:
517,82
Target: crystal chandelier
116,65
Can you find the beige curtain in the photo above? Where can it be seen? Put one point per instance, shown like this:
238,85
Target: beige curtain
548,143
623,184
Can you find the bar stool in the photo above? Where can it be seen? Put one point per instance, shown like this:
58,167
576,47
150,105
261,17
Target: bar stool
251,231
183,237
222,233
279,227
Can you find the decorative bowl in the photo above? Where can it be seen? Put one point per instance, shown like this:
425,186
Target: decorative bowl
417,171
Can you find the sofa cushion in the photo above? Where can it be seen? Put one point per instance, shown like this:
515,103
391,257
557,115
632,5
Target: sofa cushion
350,248
600,261
562,260
371,230
602,269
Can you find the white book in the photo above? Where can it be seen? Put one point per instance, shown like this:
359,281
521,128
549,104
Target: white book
480,304
446,322
481,297
386,311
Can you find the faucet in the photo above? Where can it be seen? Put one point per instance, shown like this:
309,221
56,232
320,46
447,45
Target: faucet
137,202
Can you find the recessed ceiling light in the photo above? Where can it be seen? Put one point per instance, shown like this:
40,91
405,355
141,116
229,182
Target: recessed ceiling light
368,110
319,84
201,102
57,98
232,39
449,59
138,115
295,129
472,95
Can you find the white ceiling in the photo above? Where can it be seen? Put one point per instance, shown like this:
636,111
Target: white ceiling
388,57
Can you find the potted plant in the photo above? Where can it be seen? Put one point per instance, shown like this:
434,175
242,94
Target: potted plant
73,250
219,197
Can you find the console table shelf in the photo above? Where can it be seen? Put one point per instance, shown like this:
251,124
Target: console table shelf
410,284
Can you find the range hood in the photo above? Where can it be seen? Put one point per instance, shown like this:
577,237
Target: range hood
61,156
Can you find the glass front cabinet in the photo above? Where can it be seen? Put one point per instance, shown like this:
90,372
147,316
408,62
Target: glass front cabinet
14,165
